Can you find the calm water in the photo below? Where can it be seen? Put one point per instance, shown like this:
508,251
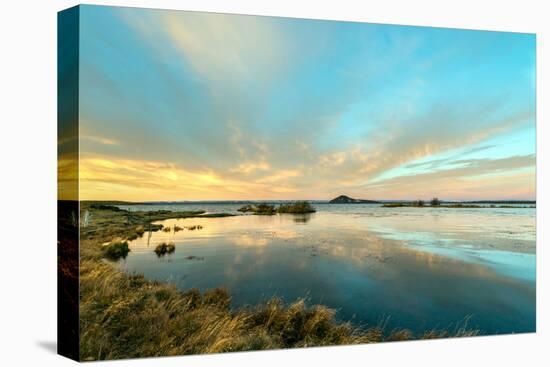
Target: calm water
418,268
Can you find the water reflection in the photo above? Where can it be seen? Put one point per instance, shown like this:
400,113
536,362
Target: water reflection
425,271
301,218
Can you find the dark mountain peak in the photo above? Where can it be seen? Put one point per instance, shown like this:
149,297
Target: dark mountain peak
344,199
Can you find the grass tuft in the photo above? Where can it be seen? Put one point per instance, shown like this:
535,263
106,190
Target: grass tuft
116,250
165,248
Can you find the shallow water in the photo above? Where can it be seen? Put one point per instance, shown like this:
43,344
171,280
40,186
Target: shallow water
418,268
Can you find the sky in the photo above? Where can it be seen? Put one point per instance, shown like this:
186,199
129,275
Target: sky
181,105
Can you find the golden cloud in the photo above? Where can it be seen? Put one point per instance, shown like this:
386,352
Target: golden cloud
108,178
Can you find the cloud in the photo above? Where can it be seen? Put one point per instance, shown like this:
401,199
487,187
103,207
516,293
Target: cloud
249,167
497,178
107,178
217,46
256,107
444,128
100,140
280,176
435,163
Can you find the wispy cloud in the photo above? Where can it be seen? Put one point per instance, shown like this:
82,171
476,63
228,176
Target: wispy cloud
436,163
470,179
225,106
104,177
100,140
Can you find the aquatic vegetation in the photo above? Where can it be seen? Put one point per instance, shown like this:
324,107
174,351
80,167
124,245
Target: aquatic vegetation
247,208
138,232
298,207
216,215
435,202
462,205
304,218
154,227
194,227
193,257
167,229
393,205
470,204
259,209
165,248
116,250
177,228
126,316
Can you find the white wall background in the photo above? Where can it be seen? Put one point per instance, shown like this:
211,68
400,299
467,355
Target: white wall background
28,181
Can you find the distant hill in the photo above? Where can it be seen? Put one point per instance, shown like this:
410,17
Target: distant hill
343,199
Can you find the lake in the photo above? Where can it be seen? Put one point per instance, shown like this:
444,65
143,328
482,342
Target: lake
415,268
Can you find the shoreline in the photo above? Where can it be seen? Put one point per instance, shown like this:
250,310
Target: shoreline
149,313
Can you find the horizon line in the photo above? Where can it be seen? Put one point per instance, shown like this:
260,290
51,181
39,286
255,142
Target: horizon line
272,200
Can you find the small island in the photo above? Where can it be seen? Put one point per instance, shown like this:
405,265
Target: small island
436,202
298,207
343,199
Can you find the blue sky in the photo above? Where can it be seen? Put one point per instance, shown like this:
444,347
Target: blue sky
190,106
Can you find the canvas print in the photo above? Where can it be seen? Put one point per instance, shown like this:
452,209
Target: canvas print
237,183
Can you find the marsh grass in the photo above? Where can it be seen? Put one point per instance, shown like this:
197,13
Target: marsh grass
298,207
126,316
265,209
393,205
193,257
116,250
259,209
165,248
216,215
246,208
435,202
